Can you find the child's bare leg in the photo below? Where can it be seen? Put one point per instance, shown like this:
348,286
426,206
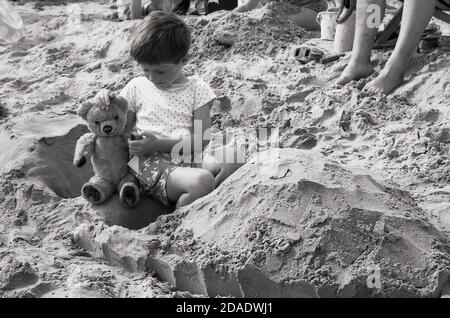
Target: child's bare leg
416,15
306,18
359,65
220,171
224,161
185,185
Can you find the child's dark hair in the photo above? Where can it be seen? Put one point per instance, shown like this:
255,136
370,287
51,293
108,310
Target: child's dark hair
161,38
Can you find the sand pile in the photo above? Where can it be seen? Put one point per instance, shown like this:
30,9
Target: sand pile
303,228
301,231
222,36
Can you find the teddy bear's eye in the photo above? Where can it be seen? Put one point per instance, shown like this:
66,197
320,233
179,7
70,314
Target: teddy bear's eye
97,122
116,117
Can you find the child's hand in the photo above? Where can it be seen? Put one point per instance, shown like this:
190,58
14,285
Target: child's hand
145,146
103,98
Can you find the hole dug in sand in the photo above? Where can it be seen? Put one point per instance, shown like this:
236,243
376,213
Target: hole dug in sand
53,164
146,212
55,169
49,161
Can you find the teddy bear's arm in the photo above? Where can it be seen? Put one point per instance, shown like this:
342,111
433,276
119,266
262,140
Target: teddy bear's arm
83,149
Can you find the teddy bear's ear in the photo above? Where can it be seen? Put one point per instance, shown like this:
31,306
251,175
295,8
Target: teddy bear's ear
121,102
83,109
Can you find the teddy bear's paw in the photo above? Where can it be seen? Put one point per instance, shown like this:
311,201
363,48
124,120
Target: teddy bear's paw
129,195
80,162
91,194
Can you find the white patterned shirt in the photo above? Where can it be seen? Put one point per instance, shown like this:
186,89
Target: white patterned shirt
168,113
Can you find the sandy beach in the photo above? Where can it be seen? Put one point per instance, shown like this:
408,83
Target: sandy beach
363,180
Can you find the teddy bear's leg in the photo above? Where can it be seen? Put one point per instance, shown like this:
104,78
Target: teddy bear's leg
97,190
128,189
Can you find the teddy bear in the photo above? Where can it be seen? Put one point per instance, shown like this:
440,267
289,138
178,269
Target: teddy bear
107,146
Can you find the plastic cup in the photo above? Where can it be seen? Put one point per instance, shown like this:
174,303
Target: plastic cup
327,21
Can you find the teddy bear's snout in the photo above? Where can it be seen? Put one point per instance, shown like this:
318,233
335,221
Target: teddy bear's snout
107,129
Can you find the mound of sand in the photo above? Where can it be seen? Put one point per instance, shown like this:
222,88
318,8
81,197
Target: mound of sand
288,224
260,33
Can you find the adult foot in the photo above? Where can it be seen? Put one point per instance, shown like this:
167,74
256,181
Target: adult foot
386,82
354,72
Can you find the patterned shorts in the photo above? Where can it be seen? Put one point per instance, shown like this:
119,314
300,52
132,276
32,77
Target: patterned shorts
154,170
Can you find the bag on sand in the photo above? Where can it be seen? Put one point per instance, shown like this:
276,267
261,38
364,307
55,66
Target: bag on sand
11,24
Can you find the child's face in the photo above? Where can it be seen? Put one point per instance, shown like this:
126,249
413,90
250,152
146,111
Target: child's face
163,75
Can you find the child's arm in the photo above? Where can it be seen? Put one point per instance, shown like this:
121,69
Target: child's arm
202,115
152,143
103,100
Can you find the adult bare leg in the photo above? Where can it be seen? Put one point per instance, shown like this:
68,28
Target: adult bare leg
365,33
416,16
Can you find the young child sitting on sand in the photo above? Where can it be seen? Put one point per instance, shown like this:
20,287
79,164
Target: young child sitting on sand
416,15
164,105
300,12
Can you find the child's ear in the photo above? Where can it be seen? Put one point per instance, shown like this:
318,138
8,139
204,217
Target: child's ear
121,102
83,109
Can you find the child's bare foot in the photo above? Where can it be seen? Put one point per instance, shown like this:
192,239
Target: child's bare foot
354,72
386,82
